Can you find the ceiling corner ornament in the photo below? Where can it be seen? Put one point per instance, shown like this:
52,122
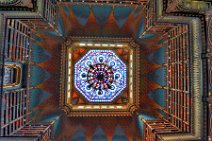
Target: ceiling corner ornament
9,2
99,77
24,3
188,6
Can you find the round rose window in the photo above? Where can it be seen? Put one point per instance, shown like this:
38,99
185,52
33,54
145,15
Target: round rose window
100,76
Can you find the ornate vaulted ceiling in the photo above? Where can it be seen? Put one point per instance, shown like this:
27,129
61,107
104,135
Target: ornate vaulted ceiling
108,70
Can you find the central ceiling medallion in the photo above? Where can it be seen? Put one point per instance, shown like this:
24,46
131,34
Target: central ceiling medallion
100,76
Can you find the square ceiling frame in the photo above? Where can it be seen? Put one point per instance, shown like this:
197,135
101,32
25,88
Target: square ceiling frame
99,109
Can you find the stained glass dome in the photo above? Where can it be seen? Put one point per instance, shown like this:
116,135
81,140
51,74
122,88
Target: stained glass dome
100,76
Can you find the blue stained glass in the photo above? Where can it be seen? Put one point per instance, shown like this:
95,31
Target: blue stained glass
100,76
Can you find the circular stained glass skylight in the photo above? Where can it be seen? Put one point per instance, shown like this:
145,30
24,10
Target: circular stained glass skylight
100,76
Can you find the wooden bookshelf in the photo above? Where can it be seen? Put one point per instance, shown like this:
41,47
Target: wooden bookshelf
178,95
14,111
17,42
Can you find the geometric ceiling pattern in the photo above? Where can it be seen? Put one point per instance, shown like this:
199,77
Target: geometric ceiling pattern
95,70
98,20
106,70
